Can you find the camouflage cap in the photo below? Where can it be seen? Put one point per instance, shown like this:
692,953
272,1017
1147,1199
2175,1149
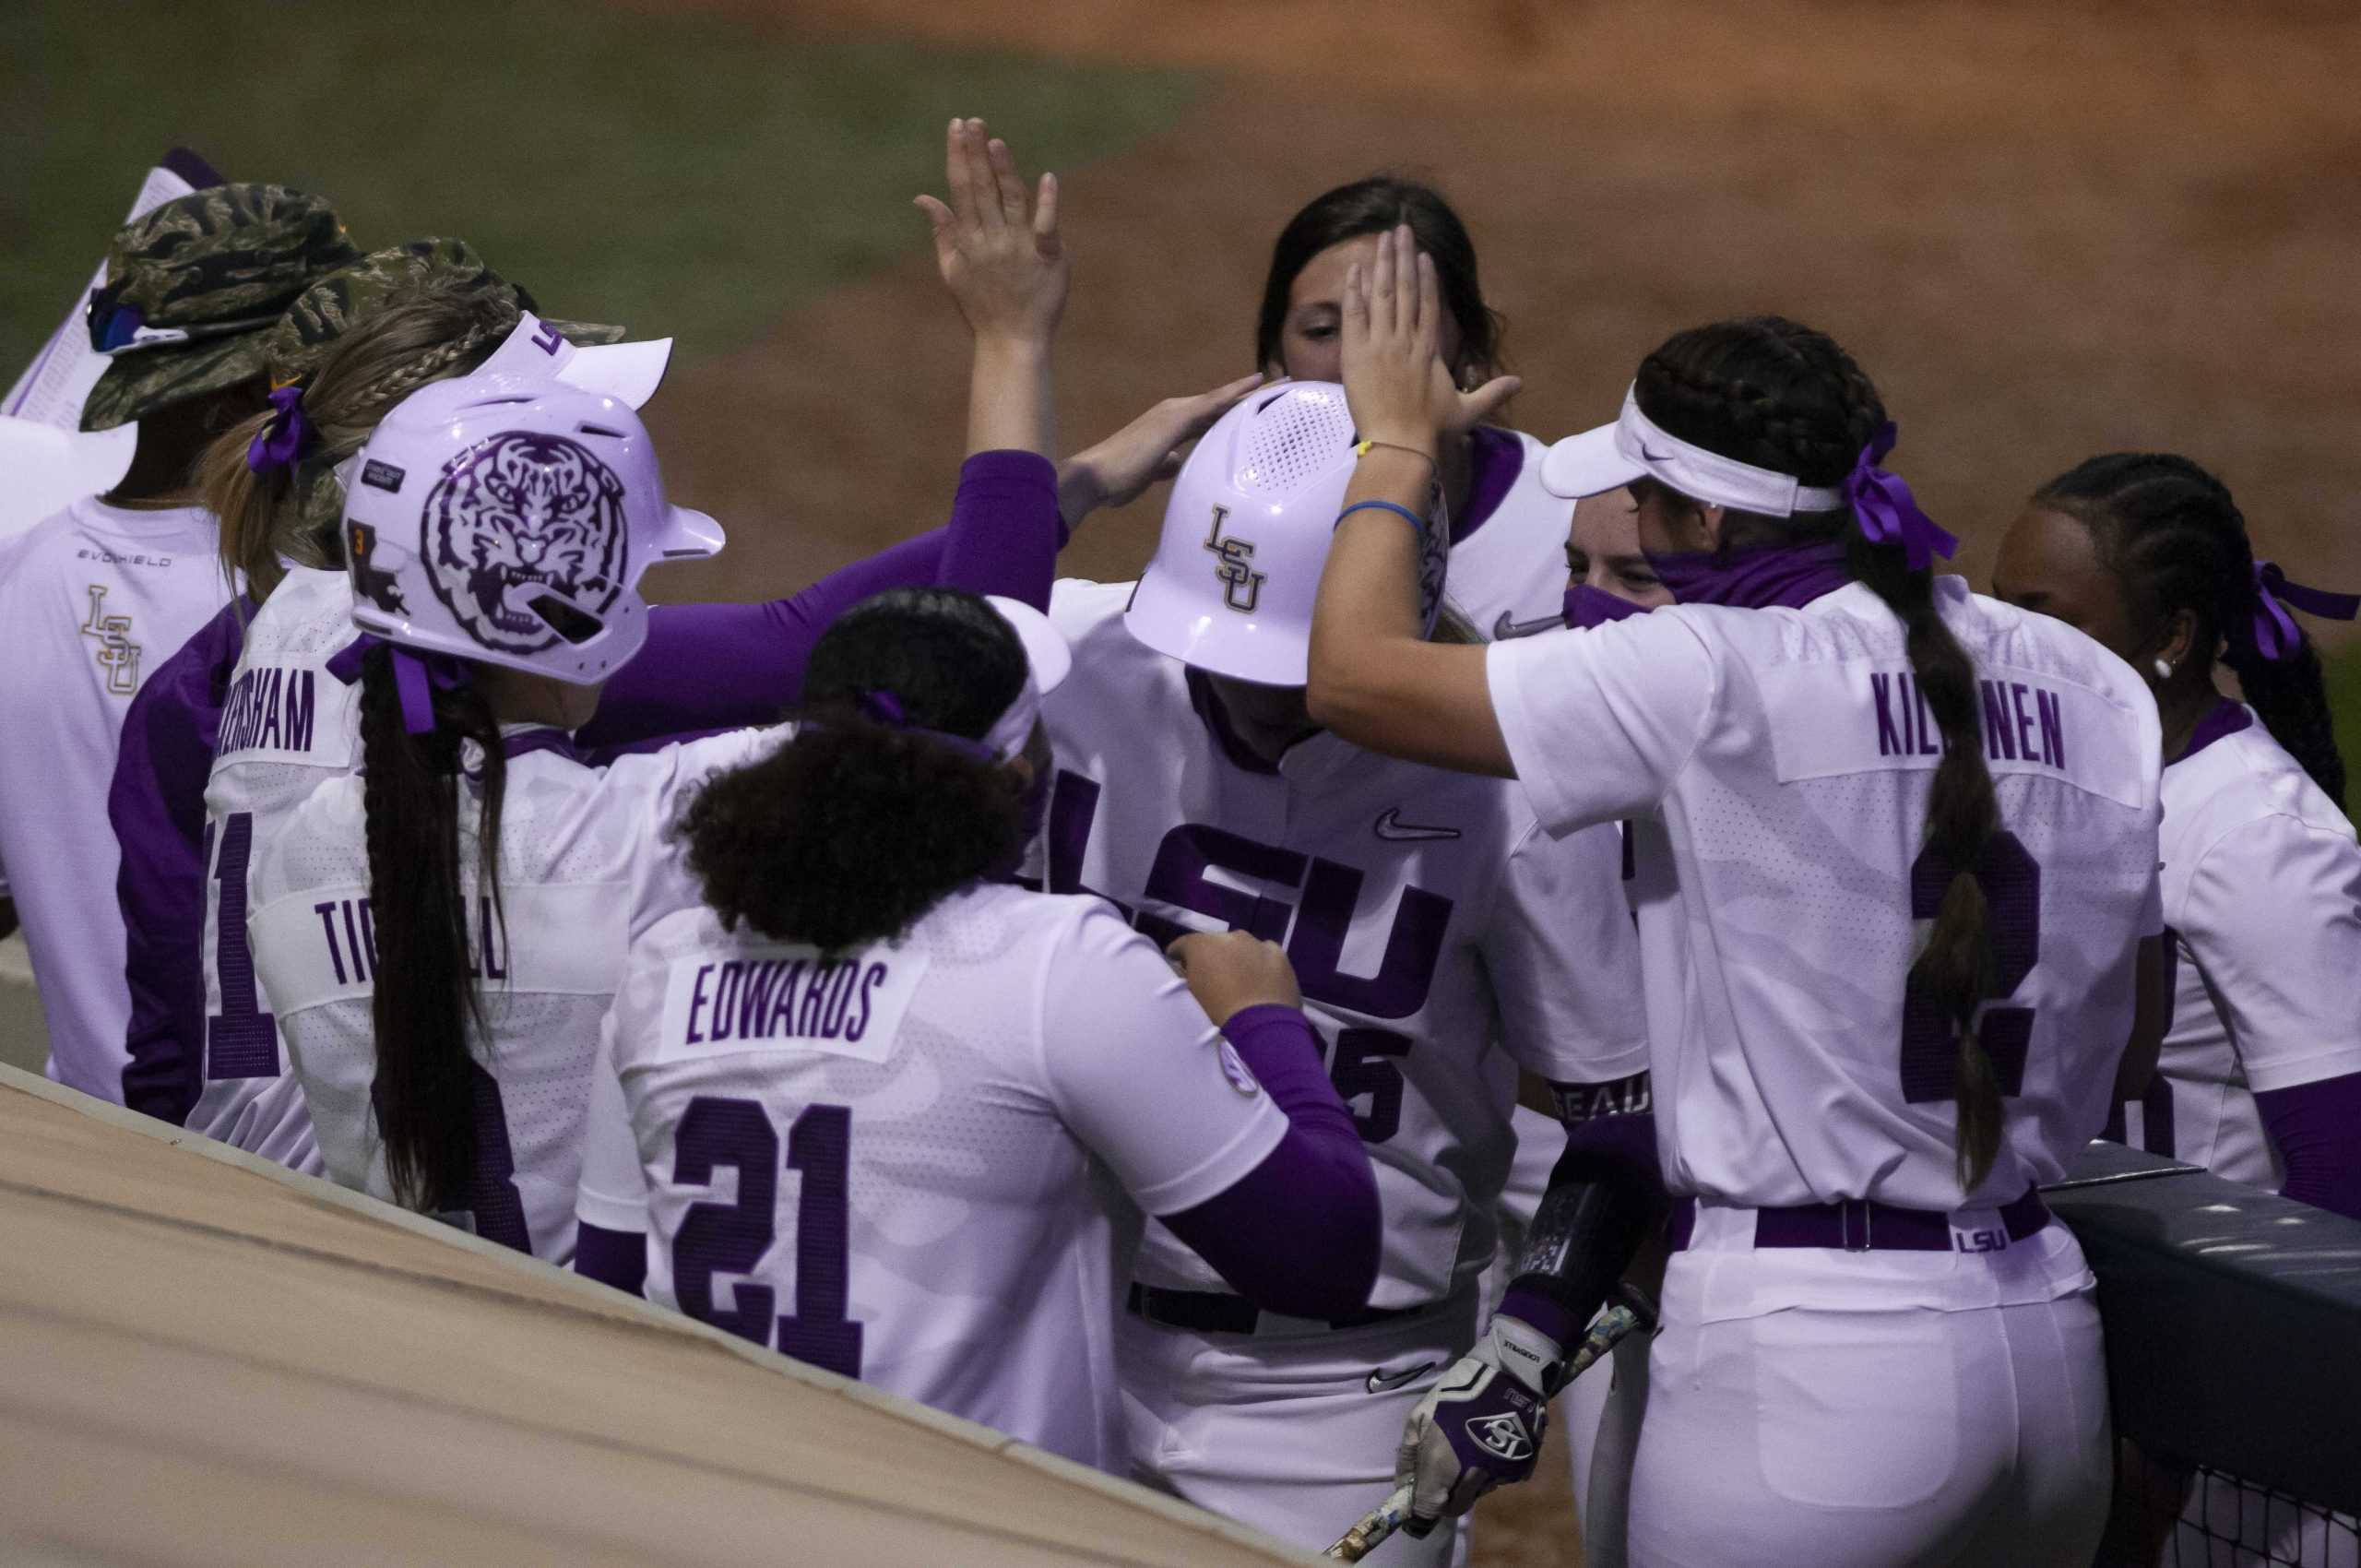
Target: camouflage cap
302,337
191,285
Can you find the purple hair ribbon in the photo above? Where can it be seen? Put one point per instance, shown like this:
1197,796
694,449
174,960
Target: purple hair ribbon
281,441
1888,513
2275,634
417,677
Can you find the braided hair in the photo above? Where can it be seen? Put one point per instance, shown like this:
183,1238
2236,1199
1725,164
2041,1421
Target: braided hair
442,328
426,1003
1768,391
2176,543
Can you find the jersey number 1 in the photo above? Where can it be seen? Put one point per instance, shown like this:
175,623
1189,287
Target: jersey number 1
2011,884
241,1040
733,1238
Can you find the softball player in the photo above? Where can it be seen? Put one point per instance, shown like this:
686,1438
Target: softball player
1507,531
96,596
974,1084
1426,915
2261,1075
1876,1348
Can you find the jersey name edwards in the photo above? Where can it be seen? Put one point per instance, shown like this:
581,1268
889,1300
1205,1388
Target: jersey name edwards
785,995
2032,722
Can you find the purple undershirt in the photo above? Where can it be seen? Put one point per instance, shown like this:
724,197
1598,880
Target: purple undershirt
1002,538
611,1257
1495,457
1620,1145
1298,1235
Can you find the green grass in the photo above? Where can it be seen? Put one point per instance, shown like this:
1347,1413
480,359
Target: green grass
694,175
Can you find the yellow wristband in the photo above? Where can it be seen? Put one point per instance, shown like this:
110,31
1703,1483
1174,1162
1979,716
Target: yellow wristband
1361,449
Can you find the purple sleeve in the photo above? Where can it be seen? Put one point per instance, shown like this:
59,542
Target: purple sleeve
722,666
156,805
1298,1234
2316,1128
611,1257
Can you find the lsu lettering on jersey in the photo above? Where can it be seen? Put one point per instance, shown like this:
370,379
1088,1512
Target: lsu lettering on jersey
92,598
1508,558
583,864
2263,898
1428,916
286,727
922,1165
1776,765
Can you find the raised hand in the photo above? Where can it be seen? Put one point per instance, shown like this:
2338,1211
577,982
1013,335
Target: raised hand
1114,473
1231,971
997,245
1399,389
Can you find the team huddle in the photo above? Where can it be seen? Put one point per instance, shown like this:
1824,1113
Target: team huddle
1238,1028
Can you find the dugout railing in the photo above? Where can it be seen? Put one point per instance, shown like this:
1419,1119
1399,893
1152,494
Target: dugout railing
2234,1363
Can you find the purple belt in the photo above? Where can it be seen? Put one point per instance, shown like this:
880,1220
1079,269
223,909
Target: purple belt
1213,1311
1864,1225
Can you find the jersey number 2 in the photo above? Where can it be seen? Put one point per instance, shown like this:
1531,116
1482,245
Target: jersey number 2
2011,884
733,1238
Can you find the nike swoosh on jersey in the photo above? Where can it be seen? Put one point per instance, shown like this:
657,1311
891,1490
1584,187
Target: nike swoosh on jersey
1383,1382
1390,825
1507,626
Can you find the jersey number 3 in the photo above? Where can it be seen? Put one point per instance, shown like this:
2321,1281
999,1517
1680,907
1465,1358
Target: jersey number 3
2011,884
715,1239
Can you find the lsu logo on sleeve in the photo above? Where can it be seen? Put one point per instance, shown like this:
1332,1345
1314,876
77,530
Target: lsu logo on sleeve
786,997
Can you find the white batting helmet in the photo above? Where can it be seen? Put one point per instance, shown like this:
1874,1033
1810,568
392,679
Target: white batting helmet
508,521
1246,533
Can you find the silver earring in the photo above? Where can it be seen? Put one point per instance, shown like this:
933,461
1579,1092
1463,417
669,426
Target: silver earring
2163,670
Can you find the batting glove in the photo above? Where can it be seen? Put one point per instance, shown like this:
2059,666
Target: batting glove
1481,1425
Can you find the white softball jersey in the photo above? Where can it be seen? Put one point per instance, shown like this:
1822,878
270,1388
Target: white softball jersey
584,863
286,727
1510,563
922,1164
93,598
1776,765
2262,896
1428,919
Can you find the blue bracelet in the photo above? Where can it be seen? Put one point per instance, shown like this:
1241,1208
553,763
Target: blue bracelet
1418,524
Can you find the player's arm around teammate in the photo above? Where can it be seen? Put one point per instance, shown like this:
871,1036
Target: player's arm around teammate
1859,1135
2260,1076
943,1056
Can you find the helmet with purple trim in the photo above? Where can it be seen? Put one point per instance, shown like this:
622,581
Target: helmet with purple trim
1246,535
508,521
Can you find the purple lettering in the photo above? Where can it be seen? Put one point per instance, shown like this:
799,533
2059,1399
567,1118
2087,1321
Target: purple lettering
2052,713
495,955
1998,739
266,700
816,987
1909,715
1888,742
754,1006
2024,720
547,339
369,932
352,940
1413,947
300,707
1929,734
782,1019
859,1025
840,984
225,738
725,1000
327,912
697,1003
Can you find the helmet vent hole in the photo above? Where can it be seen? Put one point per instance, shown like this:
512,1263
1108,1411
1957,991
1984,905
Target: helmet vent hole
1294,438
566,621
598,430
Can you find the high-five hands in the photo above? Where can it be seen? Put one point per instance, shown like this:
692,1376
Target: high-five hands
1114,473
1400,391
996,243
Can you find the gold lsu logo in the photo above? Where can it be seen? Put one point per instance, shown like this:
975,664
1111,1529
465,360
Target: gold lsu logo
1241,585
117,655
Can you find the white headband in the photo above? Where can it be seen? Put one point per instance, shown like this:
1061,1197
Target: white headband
1710,477
1047,660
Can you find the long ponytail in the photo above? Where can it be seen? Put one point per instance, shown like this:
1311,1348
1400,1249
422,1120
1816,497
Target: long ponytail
426,1004
2177,542
1771,392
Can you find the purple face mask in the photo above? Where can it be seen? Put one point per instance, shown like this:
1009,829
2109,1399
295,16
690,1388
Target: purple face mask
1753,579
1587,606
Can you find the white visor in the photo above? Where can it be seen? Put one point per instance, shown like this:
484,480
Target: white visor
629,372
1601,459
1046,661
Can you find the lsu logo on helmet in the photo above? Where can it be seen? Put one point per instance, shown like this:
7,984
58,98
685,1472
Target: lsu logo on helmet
1234,566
